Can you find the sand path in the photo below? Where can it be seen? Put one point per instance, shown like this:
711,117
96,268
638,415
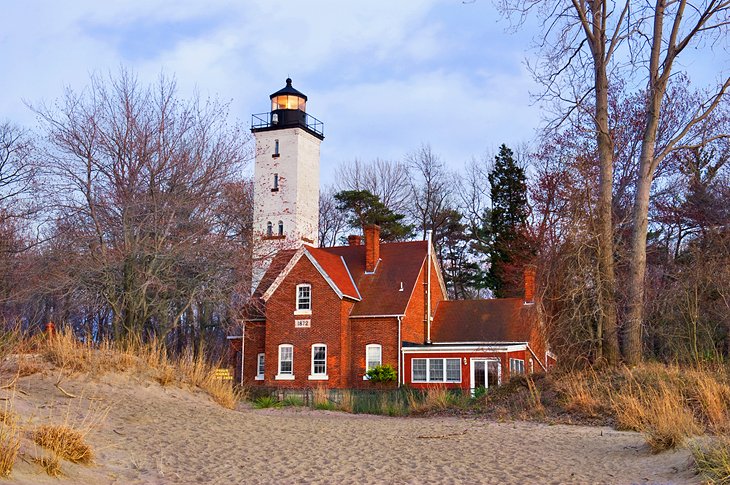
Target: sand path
161,435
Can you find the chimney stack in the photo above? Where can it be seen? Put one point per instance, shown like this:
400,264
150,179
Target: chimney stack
530,271
372,247
354,240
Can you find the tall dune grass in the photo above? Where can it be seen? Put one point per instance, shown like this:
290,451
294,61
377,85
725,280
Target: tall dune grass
70,354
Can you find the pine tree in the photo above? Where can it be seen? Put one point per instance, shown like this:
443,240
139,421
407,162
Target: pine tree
510,247
364,208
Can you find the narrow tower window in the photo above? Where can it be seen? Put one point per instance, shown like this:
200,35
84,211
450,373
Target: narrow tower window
269,229
276,148
276,182
281,228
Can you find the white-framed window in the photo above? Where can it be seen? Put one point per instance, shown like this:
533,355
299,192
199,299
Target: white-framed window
419,370
373,356
269,229
260,360
304,298
319,362
436,370
516,367
286,362
281,228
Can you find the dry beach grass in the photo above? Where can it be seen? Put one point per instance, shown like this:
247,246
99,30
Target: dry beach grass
141,417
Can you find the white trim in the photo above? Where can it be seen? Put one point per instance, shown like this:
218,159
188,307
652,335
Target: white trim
359,296
472,343
367,347
375,268
279,374
284,377
313,375
486,361
234,337
544,366
287,269
443,368
324,274
259,374
293,261
378,316
303,311
464,349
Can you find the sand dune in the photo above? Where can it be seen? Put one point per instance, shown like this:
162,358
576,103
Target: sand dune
156,435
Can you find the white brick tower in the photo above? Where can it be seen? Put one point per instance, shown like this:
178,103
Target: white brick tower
286,177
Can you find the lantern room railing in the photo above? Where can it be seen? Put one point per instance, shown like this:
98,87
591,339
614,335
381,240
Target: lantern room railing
263,120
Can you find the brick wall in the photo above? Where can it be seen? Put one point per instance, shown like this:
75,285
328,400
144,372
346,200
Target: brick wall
252,346
327,310
414,327
365,331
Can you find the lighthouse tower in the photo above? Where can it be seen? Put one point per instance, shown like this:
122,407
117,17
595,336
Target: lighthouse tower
286,177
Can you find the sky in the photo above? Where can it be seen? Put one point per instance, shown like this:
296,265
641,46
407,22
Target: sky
383,76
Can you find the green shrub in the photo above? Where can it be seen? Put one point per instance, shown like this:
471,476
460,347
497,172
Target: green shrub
480,392
382,373
293,401
266,402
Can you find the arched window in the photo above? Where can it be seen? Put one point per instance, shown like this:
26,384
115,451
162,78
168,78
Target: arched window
269,229
281,228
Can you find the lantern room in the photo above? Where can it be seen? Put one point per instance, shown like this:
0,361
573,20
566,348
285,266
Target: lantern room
288,110
288,98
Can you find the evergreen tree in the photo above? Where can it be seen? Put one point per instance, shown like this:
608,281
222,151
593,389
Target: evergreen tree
510,247
363,207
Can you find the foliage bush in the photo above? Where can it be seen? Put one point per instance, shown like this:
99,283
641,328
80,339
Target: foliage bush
382,373
264,402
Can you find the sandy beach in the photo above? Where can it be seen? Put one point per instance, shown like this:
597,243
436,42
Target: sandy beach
156,435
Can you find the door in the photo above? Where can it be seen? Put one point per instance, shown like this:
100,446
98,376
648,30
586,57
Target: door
485,373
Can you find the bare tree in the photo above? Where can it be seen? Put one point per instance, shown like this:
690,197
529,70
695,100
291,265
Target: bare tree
687,24
431,189
138,177
387,179
332,221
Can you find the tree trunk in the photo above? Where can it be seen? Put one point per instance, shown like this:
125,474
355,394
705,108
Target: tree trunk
608,325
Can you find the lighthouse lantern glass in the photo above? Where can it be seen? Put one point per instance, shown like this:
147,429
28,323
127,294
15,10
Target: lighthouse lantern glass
288,102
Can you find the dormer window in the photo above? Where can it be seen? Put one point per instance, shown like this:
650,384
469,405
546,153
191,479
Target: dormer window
304,299
281,228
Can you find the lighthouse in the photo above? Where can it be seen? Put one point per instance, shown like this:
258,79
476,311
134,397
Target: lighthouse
286,177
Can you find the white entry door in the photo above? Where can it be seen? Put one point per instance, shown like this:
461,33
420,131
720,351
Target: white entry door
485,373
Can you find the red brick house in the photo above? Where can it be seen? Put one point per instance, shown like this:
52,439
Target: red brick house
324,316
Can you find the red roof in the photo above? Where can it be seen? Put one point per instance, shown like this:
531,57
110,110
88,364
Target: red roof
334,266
496,320
378,293
399,264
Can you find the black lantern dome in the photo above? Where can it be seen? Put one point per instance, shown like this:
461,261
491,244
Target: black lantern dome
288,109
288,98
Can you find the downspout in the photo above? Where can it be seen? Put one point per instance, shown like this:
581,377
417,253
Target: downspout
243,343
428,288
400,353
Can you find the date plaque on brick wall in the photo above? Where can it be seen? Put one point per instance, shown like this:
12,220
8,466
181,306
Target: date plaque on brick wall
302,323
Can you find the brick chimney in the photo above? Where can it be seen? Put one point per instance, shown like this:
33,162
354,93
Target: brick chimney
354,240
530,271
372,247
